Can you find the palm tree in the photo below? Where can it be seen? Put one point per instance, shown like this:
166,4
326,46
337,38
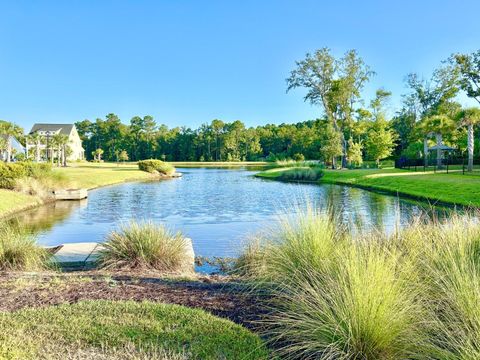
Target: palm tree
37,140
60,141
9,130
469,117
3,146
435,125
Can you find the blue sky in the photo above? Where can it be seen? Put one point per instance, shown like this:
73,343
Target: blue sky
188,62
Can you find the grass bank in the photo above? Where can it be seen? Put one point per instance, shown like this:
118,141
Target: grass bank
453,188
121,330
78,175
93,175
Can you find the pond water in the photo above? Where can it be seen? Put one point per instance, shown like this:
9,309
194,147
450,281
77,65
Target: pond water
217,208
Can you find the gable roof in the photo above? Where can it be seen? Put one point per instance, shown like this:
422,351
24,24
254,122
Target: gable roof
65,129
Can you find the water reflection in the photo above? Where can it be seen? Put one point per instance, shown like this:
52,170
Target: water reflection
217,208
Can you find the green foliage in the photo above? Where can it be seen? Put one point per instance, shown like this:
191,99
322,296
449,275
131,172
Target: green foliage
9,173
144,245
124,330
468,65
331,143
298,157
19,250
156,166
414,150
302,174
354,153
344,294
123,156
380,141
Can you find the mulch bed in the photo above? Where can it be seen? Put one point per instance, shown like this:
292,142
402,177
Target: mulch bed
218,295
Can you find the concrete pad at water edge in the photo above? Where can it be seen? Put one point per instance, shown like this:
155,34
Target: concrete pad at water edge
88,251
78,252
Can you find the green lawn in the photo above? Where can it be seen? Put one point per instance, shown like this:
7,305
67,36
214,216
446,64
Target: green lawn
453,188
121,330
92,175
12,201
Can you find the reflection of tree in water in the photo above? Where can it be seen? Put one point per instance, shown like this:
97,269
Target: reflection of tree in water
363,209
46,216
355,207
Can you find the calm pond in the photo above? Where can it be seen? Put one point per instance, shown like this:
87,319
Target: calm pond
217,208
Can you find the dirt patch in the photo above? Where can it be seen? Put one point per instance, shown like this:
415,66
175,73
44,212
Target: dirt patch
221,296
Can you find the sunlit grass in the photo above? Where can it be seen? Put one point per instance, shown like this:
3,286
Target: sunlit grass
124,330
452,188
334,295
19,250
144,245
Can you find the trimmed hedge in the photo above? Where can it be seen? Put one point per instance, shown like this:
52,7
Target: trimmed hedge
156,166
10,172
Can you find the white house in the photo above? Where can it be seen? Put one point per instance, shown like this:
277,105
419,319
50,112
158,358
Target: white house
49,130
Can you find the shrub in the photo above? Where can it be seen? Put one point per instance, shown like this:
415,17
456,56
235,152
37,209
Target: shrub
32,178
156,166
144,245
9,172
298,157
19,250
36,170
303,174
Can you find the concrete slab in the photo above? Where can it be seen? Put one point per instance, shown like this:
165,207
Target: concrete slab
71,194
78,252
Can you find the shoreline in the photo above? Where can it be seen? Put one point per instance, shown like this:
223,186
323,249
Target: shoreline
45,201
379,189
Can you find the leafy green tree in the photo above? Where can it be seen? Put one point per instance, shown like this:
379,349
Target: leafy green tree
10,129
331,144
438,126
469,118
3,146
97,154
468,65
354,155
430,97
380,141
333,84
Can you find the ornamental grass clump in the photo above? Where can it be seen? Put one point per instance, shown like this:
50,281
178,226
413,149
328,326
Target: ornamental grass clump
19,250
447,255
335,296
144,245
303,174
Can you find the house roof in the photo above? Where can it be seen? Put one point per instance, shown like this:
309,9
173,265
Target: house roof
65,129
441,147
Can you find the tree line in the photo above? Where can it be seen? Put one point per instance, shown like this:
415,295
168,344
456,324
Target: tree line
349,129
